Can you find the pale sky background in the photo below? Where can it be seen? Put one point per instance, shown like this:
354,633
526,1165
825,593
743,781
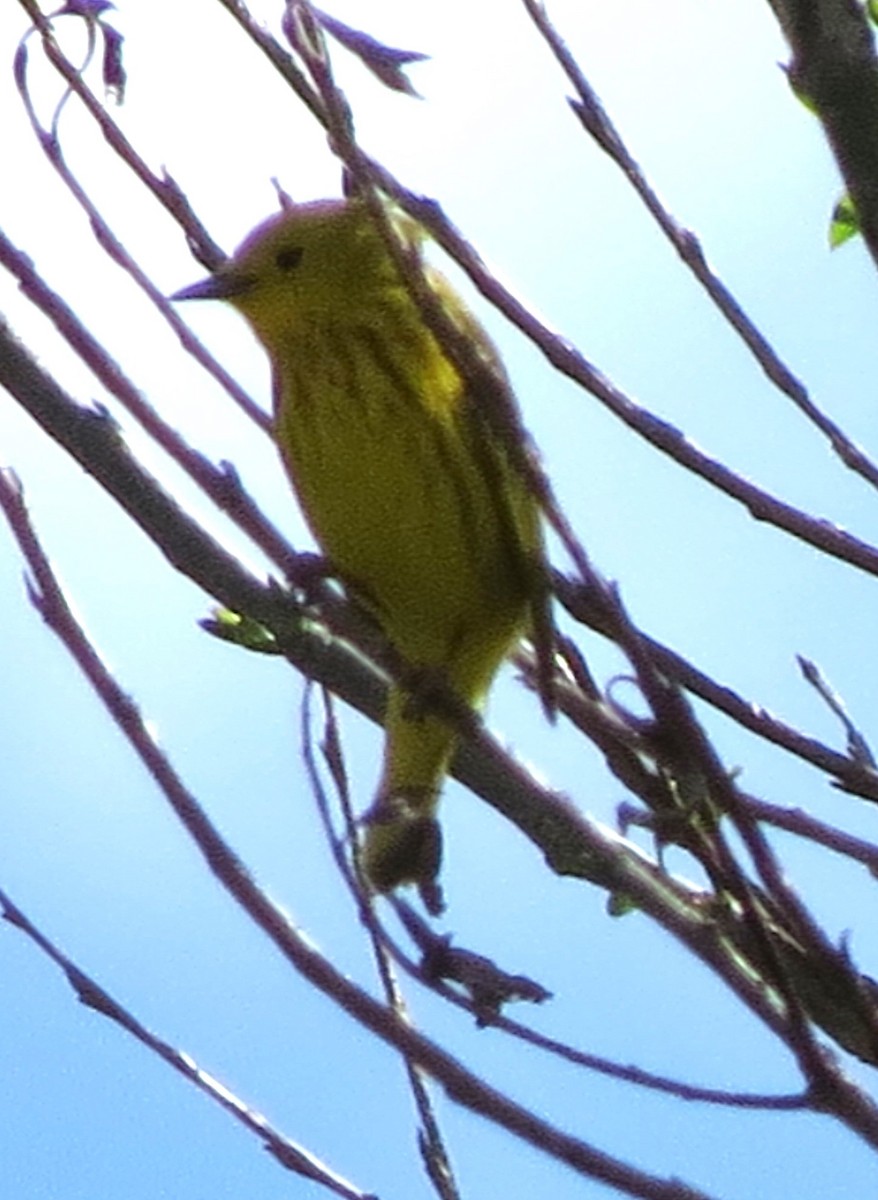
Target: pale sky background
88,848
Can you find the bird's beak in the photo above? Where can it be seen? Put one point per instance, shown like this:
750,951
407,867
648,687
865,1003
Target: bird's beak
223,286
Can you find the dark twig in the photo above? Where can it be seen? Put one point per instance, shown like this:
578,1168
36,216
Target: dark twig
834,67
221,484
597,123
90,993
434,1152
858,746
821,534
462,1086
603,1066
584,603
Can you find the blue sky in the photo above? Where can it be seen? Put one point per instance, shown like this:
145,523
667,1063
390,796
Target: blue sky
88,848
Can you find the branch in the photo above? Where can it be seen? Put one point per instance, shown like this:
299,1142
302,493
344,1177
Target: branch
462,1086
571,842
763,506
835,68
90,993
434,1151
597,124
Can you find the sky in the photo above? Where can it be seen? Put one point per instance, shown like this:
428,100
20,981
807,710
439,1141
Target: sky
88,848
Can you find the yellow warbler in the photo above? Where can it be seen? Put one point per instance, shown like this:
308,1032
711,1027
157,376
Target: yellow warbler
411,495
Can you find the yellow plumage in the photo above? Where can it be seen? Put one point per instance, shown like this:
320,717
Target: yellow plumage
410,495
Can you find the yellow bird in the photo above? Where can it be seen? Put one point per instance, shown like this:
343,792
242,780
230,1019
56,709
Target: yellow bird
405,484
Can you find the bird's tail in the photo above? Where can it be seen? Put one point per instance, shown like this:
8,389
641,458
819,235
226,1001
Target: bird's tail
402,841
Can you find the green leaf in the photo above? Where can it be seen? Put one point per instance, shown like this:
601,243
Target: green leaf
798,91
845,222
241,630
619,904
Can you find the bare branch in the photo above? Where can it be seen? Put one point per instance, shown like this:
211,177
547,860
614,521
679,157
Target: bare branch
597,124
835,68
90,993
462,1086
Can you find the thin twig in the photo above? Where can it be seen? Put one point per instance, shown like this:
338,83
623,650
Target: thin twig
856,776
220,484
462,1086
431,1143
834,67
763,506
597,123
90,993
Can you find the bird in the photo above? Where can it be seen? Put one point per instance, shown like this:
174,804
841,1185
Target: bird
419,503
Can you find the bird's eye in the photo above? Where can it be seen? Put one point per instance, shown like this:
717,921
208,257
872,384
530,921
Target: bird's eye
288,258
